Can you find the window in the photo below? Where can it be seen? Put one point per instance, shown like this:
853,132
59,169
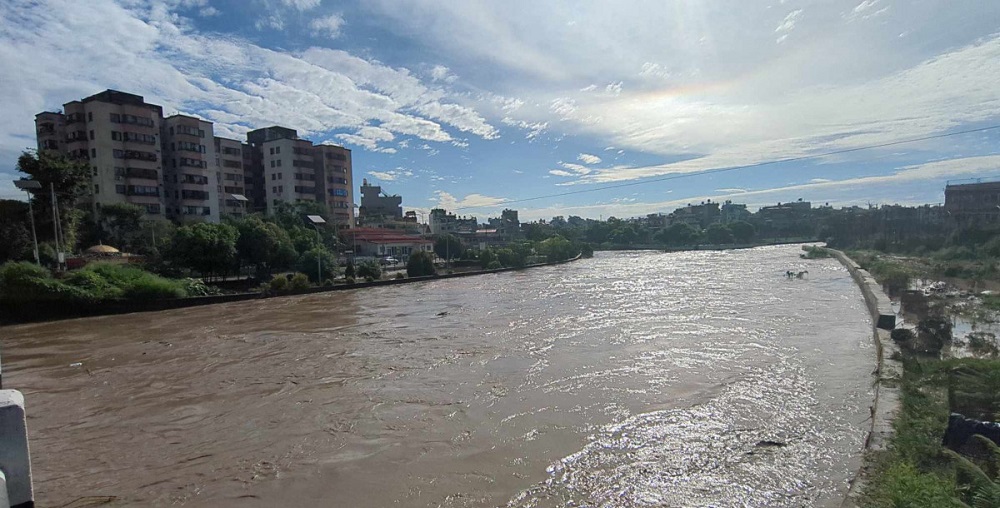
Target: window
189,146
153,209
197,179
272,164
339,192
97,189
279,176
116,118
116,136
192,194
272,150
274,189
120,189
281,189
90,118
91,134
93,153
277,149
232,164
279,163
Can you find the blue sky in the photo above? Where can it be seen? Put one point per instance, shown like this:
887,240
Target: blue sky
474,105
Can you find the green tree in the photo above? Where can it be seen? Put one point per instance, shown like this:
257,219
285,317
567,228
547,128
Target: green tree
264,246
15,233
369,269
69,178
121,226
206,248
678,234
718,234
486,256
349,271
420,264
743,232
327,262
448,247
557,248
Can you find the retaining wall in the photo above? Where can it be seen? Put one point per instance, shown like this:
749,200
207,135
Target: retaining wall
888,369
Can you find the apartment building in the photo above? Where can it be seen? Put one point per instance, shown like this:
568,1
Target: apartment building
335,186
176,167
118,134
291,170
229,177
189,159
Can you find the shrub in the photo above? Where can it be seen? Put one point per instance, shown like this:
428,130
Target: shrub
93,283
369,270
279,284
197,287
23,281
349,280
134,282
299,282
369,279
399,275
420,264
349,270
327,283
494,265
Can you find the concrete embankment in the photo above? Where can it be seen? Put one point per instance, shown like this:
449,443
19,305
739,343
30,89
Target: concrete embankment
888,370
27,312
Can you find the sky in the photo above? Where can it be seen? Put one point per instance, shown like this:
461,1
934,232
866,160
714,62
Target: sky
588,108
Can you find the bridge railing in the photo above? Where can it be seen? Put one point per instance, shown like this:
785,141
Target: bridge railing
16,489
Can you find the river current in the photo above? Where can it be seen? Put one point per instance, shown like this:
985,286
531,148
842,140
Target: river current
629,379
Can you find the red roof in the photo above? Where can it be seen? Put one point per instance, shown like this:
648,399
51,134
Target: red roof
376,235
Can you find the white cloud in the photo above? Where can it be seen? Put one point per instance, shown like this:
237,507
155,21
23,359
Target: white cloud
449,202
442,73
788,24
328,26
302,5
381,175
587,158
733,190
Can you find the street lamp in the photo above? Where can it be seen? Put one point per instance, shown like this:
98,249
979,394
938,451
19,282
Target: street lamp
26,186
315,221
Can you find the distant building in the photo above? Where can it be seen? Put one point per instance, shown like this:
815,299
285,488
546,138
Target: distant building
175,167
378,242
377,206
441,223
976,200
698,216
786,219
733,212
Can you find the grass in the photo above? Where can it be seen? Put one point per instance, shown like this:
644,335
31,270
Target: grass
26,282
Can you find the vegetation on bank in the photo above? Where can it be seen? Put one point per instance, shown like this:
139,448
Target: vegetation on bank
25,282
917,470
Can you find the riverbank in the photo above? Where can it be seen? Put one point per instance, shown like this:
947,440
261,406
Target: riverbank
888,371
947,385
706,247
39,311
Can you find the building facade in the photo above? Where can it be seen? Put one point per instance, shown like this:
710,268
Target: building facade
377,206
176,167
191,193
118,135
976,200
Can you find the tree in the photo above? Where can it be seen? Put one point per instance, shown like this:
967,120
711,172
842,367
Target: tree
718,234
121,226
69,178
448,246
420,264
369,269
486,257
678,234
557,248
327,262
263,246
206,248
15,235
743,232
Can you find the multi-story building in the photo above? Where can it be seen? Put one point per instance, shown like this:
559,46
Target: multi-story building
699,216
441,222
118,134
335,187
191,193
976,199
377,206
229,178
175,167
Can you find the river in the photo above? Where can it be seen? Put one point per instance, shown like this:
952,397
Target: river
629,379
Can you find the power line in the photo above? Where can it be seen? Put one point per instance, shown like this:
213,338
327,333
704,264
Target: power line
747,166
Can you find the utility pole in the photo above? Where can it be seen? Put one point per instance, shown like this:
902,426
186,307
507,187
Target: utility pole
26,186
55,224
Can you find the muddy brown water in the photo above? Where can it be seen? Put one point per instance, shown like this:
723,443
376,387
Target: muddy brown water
630,379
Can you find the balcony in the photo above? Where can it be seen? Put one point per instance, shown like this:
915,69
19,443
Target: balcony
148,174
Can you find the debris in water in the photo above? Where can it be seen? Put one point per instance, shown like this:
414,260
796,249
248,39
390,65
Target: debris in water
76,364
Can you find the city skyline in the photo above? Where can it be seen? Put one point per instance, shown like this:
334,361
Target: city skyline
473,107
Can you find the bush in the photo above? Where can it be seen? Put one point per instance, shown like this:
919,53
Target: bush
134,282
349,271
494,265
369,270
327,283
399,275
299,282
279,284
349,280
369,279
197,287
23,281
93,283
420,264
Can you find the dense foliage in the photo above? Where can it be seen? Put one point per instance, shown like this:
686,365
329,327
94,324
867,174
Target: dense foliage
420,264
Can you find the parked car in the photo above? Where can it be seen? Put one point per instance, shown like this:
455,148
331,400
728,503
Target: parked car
389,260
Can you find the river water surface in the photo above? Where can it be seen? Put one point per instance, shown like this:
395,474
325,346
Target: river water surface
629,379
